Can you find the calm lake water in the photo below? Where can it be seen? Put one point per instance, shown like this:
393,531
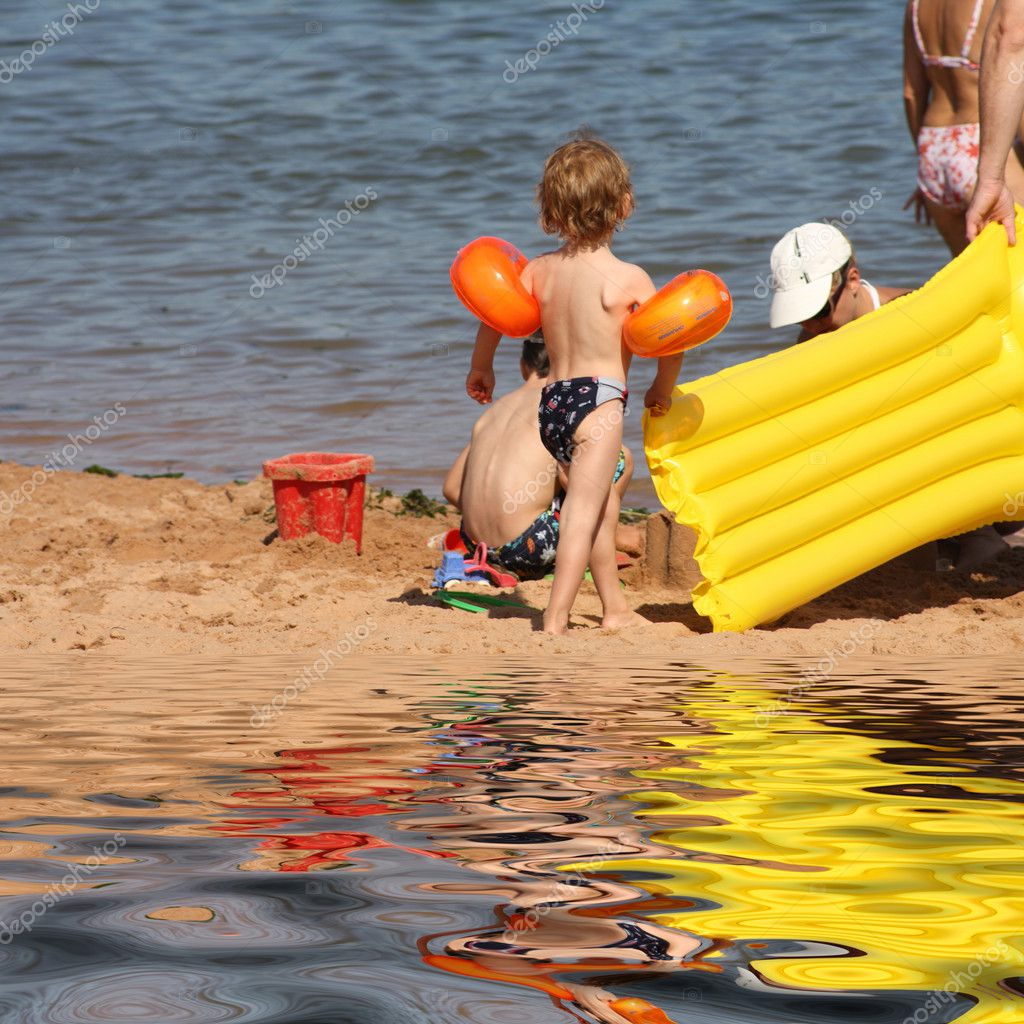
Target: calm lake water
157,156
399,844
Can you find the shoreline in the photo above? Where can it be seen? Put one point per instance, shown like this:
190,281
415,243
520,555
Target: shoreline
124,565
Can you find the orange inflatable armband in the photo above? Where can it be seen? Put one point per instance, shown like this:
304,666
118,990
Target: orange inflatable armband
691,309
485,276
639,1011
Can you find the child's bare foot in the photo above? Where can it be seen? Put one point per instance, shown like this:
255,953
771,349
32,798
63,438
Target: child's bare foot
556,625
623,619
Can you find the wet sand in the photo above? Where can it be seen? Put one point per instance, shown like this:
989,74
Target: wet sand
91,563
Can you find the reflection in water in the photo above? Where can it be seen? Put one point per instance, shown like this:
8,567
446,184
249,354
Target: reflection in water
308,784
528,777
915,884
676,846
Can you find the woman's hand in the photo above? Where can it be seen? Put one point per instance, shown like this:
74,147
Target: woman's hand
921,214
480,386
992,201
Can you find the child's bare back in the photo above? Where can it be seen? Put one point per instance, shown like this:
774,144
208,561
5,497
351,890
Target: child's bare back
584,298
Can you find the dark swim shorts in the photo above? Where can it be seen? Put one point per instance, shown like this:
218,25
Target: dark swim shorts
531,555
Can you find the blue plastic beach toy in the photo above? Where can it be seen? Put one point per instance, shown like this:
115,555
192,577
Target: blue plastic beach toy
453,569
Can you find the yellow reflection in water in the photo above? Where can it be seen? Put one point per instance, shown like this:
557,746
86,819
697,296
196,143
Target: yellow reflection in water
795,842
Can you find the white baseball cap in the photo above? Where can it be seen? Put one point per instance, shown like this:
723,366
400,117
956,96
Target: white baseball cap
803,263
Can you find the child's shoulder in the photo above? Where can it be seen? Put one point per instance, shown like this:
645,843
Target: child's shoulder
633,283
544,257
633,276
628,268
538,265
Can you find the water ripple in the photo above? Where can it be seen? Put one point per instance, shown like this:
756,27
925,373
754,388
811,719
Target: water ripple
155,161
422,844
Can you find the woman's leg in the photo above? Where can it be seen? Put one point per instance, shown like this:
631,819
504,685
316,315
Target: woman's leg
952,225
584,511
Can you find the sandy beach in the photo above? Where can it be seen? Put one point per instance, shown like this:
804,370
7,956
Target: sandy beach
92,563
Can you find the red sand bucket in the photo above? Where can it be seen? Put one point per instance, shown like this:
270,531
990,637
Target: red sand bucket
321,491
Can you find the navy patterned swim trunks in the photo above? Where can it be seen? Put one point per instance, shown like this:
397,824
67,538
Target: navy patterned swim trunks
532,554
565,404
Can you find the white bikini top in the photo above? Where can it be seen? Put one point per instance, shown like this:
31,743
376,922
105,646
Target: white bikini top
872,292
944,61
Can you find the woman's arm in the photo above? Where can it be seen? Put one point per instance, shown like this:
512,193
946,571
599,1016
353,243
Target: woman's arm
1002,86
916,88
1002,104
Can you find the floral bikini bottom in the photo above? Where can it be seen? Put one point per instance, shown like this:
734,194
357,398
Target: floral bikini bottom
947,168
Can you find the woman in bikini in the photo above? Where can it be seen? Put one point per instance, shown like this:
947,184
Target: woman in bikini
941,49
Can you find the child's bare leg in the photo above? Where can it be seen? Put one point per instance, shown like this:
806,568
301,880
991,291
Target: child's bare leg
604,565
628,537
604,569
599,438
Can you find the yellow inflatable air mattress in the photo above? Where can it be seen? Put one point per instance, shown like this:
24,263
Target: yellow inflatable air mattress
807,467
